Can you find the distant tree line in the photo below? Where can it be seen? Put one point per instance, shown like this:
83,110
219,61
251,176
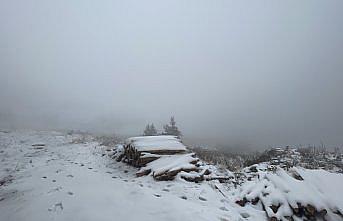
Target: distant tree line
150,130
168,129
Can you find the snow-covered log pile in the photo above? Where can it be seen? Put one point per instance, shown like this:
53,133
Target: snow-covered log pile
294,195
167,167
141,150
161,156
164,158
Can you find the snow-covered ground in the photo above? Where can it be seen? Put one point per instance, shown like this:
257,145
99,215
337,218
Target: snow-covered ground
64,180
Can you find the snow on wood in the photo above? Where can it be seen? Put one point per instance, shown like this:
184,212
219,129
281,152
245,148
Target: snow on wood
164,157
299,193
161,156
142,150
156,144
167,167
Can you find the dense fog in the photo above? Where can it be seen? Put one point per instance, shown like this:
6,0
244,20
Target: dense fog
242,74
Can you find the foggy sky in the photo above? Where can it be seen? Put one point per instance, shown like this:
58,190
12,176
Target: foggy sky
251,72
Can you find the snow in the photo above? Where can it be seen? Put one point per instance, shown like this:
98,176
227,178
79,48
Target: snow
147,155
319,188
329,184
150,143
74,181
68,180
171,163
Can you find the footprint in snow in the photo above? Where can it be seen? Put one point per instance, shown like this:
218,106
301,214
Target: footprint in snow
157,195
165,190
224,201
184,197
223,208
114,177
90,168
202,198
71,176
56,207
55,189
70,193
245,215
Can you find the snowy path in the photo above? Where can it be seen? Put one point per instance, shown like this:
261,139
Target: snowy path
64,181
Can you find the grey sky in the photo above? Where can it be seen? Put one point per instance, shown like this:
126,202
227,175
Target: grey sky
252,72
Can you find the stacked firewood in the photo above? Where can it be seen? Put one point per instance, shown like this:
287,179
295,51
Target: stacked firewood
139,151
168,166
307,211
285,196
139,158
165,157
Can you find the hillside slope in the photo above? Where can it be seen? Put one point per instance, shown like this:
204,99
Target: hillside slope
66,181
53,176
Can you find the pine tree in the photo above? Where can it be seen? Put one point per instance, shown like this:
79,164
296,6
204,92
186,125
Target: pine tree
171,128
147,130
153,130
150,130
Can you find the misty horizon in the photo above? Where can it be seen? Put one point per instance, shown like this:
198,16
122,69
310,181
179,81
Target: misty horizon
232,73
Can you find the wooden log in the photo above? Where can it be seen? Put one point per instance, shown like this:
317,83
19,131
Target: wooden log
299,210
322,213
143,161
143,173
162,152
310,211
275,208
195,179
255,200
170,174
242,202
221,179
136,159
